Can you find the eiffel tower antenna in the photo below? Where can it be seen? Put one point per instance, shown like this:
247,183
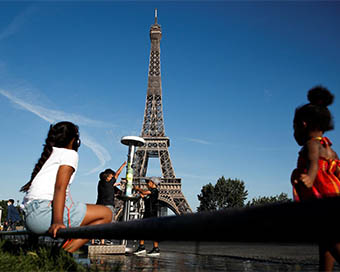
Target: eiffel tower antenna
155,16
156,143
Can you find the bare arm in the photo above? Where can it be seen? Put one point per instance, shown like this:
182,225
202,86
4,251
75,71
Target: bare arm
313,148
143,192
63,178
119,170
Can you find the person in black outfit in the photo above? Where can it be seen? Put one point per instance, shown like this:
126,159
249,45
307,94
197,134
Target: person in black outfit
151,204
106,190
13,217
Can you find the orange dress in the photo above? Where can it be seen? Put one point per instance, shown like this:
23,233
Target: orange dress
326,183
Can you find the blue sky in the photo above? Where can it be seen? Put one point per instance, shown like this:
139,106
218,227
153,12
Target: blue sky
232,75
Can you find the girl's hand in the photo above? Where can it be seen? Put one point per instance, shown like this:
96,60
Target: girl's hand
294,178
306,180
54,228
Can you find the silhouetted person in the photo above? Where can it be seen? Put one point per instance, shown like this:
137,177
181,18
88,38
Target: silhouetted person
106,190
150,197
318,171
13,217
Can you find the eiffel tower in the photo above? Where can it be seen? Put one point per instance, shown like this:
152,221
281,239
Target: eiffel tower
156,143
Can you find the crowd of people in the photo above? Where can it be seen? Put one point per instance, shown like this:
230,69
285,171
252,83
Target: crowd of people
48,205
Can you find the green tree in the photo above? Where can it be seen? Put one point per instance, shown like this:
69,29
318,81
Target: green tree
261,200
207,199
230,193
3,204
227,193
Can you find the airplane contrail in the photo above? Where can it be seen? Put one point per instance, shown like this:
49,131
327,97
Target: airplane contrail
53,116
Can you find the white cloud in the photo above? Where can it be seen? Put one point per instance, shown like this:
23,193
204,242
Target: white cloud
17,23
198,141
101,153
53,116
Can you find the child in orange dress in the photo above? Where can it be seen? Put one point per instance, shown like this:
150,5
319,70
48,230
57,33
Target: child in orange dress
318,170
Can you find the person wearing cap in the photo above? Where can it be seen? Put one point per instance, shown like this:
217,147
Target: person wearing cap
13,217
106,191
150,197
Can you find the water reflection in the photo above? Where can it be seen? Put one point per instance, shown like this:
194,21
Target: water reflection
125,263
213,256
174,261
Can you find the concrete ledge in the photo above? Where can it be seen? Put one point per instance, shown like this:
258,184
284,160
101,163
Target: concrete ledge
106,249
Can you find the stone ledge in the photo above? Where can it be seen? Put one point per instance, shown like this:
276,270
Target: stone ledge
106,249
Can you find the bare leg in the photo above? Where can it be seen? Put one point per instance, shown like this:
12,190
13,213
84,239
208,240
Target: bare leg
326,259
326,262
95,214
155,244
335,251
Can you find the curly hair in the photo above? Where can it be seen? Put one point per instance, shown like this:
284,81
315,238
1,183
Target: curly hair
59,135
316,114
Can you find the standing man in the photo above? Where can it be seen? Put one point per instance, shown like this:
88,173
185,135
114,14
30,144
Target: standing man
151,204
13,217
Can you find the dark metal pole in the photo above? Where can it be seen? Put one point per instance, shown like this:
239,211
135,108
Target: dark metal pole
132,142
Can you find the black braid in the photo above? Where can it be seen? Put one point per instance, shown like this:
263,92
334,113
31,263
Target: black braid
59,135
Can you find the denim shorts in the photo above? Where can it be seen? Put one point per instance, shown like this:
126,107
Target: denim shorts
38,215
113,212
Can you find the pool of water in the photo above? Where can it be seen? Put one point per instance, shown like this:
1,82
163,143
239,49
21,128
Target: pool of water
213,257
170,261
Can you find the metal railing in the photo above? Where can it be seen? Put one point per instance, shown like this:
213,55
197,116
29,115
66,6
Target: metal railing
308,222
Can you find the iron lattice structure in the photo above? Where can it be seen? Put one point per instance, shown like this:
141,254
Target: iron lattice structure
156,143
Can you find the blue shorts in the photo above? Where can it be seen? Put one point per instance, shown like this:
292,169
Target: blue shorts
38,215
113,212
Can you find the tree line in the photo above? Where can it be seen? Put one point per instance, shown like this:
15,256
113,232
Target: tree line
231,193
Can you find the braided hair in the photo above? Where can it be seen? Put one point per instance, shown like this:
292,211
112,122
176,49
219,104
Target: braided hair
59,135
316,114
